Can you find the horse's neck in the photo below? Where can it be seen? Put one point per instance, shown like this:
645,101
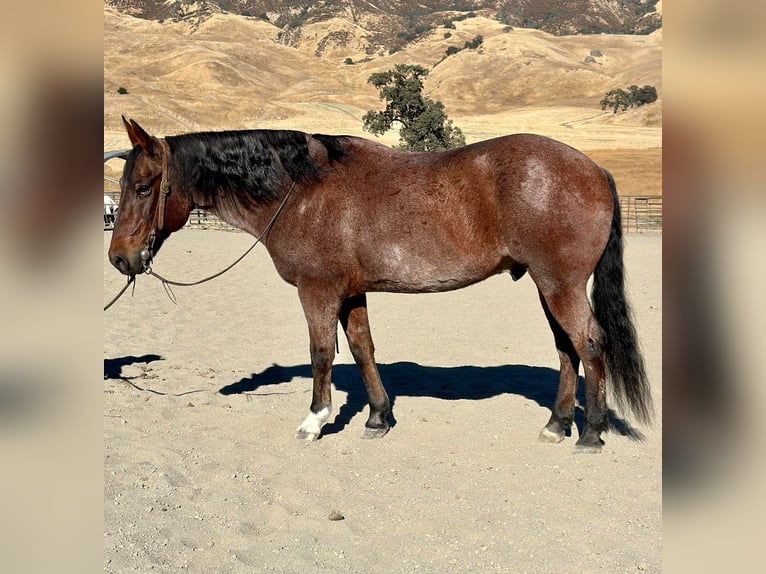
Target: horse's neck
246,215
246,200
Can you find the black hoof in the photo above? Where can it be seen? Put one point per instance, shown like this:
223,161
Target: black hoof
589,445
370,432
551,436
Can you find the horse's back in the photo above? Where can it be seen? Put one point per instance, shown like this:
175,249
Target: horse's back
499,188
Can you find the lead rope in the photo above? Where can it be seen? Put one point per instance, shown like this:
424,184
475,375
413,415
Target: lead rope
168,282
131,279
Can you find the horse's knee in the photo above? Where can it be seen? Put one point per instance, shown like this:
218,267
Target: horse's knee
322,357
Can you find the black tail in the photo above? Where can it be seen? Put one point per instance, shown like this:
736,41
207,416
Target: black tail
624,363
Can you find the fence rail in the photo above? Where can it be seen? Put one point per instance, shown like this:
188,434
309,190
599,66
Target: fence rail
202,219
640,213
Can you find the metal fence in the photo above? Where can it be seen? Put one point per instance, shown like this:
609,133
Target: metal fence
202,219
198,218
640,213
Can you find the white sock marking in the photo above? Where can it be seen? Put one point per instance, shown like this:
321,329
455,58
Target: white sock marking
315,421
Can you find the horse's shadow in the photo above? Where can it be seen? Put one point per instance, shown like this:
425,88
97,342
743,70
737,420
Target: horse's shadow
113,367
448,383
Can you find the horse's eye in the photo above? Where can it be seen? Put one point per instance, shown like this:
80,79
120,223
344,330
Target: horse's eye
143,190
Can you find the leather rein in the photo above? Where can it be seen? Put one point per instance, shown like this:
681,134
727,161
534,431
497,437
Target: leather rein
147,253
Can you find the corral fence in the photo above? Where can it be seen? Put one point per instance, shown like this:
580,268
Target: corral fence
640,213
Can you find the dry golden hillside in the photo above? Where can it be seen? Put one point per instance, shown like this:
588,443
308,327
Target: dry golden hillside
231,73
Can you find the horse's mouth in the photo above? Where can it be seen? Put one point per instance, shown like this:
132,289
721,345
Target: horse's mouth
126,266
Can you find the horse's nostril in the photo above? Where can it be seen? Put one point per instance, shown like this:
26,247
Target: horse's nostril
121,264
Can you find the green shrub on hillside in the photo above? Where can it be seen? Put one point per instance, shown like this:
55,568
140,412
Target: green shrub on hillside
619,100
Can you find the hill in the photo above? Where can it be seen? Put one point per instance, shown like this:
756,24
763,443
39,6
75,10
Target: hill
388,25
232,72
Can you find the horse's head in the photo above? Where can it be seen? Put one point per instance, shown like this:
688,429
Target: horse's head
150,209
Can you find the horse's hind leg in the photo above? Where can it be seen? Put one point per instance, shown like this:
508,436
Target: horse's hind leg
353,318
571,309
562,414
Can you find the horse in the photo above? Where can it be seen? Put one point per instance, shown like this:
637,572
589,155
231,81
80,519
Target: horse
343,216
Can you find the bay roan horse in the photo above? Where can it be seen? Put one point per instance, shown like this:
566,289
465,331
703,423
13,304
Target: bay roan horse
343,216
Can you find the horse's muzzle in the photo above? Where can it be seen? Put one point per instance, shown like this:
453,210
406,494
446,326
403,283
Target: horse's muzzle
127,265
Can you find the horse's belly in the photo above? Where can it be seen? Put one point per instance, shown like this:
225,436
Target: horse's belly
403,271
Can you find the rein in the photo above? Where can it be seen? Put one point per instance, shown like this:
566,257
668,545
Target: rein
166,282
131,279
147,253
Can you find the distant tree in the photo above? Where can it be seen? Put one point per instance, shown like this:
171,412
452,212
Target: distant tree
424,124
619,100
644,95
472,45
348,61
475,43
122,91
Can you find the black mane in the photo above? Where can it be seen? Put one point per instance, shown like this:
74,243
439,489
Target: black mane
253,166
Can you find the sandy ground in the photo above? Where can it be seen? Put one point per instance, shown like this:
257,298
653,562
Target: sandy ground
202,397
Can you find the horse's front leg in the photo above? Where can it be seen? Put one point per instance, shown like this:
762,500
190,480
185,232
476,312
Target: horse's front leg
353,318
321,309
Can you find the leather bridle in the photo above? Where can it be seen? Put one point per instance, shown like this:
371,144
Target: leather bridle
147,253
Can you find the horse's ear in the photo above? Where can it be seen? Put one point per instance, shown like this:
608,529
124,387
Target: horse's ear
138,136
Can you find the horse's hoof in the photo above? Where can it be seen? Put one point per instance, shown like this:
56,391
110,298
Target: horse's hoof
548,436
374,433
311,427
588,448
307,436
589,443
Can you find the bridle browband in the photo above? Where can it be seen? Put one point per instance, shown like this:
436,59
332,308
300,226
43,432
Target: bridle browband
147,253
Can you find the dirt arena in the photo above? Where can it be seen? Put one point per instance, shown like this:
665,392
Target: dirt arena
202,398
